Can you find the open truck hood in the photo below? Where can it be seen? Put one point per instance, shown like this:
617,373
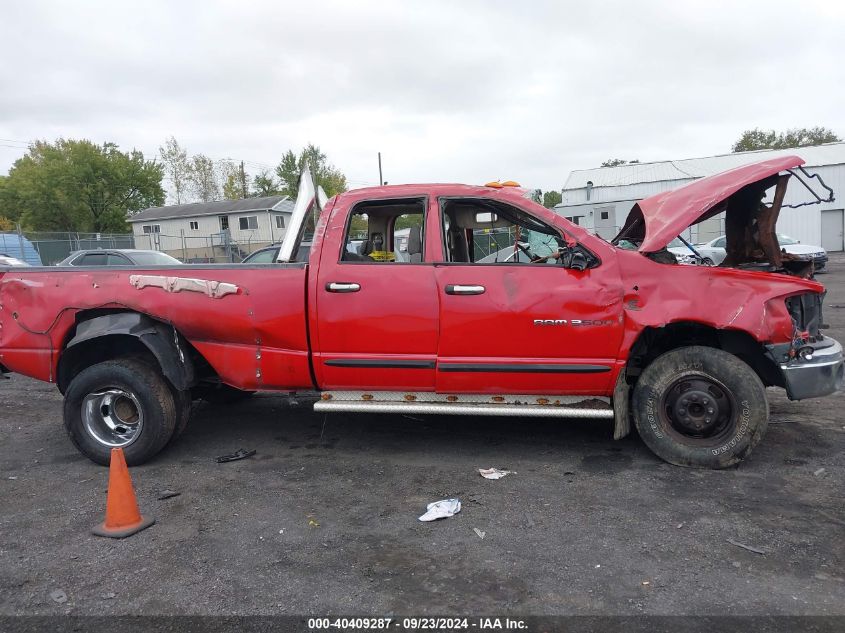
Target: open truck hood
656,221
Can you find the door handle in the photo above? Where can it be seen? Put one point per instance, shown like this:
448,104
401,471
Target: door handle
457,289
342,286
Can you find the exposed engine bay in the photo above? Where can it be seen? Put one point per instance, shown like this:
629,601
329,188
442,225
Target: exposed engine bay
749,225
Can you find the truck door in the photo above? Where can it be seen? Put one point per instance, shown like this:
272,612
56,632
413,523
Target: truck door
377,308
513,318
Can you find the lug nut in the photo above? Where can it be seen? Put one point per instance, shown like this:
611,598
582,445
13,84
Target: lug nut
710,411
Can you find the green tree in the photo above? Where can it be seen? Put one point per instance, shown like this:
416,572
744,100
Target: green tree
230,175
177,168
615,162
770,139
327,176
203,178
551,198
264,184
5,223
232,187
77,185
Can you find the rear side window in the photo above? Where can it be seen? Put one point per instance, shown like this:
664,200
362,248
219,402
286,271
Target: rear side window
117,260
92,259
267,256
386,232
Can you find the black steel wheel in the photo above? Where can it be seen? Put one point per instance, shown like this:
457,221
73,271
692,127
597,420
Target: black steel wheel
700,406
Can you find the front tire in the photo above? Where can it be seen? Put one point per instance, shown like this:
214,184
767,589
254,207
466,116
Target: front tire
120,404
700,406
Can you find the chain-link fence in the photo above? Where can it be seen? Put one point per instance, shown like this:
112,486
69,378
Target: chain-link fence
40,248
48,248
216,248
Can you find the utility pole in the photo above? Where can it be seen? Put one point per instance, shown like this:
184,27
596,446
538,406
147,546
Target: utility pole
243,182
380,178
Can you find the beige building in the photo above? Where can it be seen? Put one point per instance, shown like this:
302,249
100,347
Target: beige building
227,230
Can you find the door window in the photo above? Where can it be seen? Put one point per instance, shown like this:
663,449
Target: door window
489,232
385,232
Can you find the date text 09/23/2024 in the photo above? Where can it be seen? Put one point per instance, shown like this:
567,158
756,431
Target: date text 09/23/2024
416,624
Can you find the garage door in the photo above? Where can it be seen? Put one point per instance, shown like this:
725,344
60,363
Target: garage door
832,230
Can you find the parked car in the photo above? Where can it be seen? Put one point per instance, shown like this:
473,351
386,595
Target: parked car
8,260
714,252
269,254
583,330
119,257
684,255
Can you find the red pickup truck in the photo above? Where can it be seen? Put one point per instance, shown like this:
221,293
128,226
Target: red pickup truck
494,306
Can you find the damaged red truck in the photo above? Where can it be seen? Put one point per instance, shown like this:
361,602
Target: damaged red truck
557,323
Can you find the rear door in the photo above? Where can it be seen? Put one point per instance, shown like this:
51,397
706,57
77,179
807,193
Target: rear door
377,310
518,327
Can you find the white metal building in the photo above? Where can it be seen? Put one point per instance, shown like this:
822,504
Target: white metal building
601,198
195,230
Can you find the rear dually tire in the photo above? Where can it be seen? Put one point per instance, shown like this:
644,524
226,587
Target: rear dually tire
122,403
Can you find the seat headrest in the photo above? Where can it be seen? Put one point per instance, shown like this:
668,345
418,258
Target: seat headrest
414,241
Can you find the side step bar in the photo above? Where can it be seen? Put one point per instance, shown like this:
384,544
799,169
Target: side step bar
592,407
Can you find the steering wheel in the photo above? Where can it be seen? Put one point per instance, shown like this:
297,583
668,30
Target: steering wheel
531,257
542,260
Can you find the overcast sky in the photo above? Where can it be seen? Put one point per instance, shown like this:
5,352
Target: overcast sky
448,92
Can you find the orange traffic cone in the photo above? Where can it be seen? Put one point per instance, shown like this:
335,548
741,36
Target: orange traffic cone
122,515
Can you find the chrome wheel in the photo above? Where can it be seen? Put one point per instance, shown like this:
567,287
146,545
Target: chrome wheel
112,417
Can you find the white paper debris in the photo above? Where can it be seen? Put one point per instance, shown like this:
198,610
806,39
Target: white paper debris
441,509
493,473
57,595
480,533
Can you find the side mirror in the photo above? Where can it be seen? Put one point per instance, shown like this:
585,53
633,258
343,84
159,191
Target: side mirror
575,260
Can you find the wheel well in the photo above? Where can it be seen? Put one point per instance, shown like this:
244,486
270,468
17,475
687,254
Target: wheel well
100,335
654,341
98,350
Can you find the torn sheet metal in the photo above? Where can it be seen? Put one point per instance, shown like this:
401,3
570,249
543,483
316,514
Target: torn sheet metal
208,287
441,509
656,221
493,473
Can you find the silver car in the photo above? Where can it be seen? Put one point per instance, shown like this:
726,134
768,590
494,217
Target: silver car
713,252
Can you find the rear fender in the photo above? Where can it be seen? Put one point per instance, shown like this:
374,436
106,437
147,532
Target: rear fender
160,339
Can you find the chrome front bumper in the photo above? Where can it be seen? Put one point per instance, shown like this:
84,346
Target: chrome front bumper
820,376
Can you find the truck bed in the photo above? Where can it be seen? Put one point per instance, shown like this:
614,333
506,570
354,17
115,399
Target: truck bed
252,329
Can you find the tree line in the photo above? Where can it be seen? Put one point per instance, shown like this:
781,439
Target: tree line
81,186
198,178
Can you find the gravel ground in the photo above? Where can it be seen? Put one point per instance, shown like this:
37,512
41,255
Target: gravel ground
323,519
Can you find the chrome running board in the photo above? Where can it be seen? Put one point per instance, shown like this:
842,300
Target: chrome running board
421,403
